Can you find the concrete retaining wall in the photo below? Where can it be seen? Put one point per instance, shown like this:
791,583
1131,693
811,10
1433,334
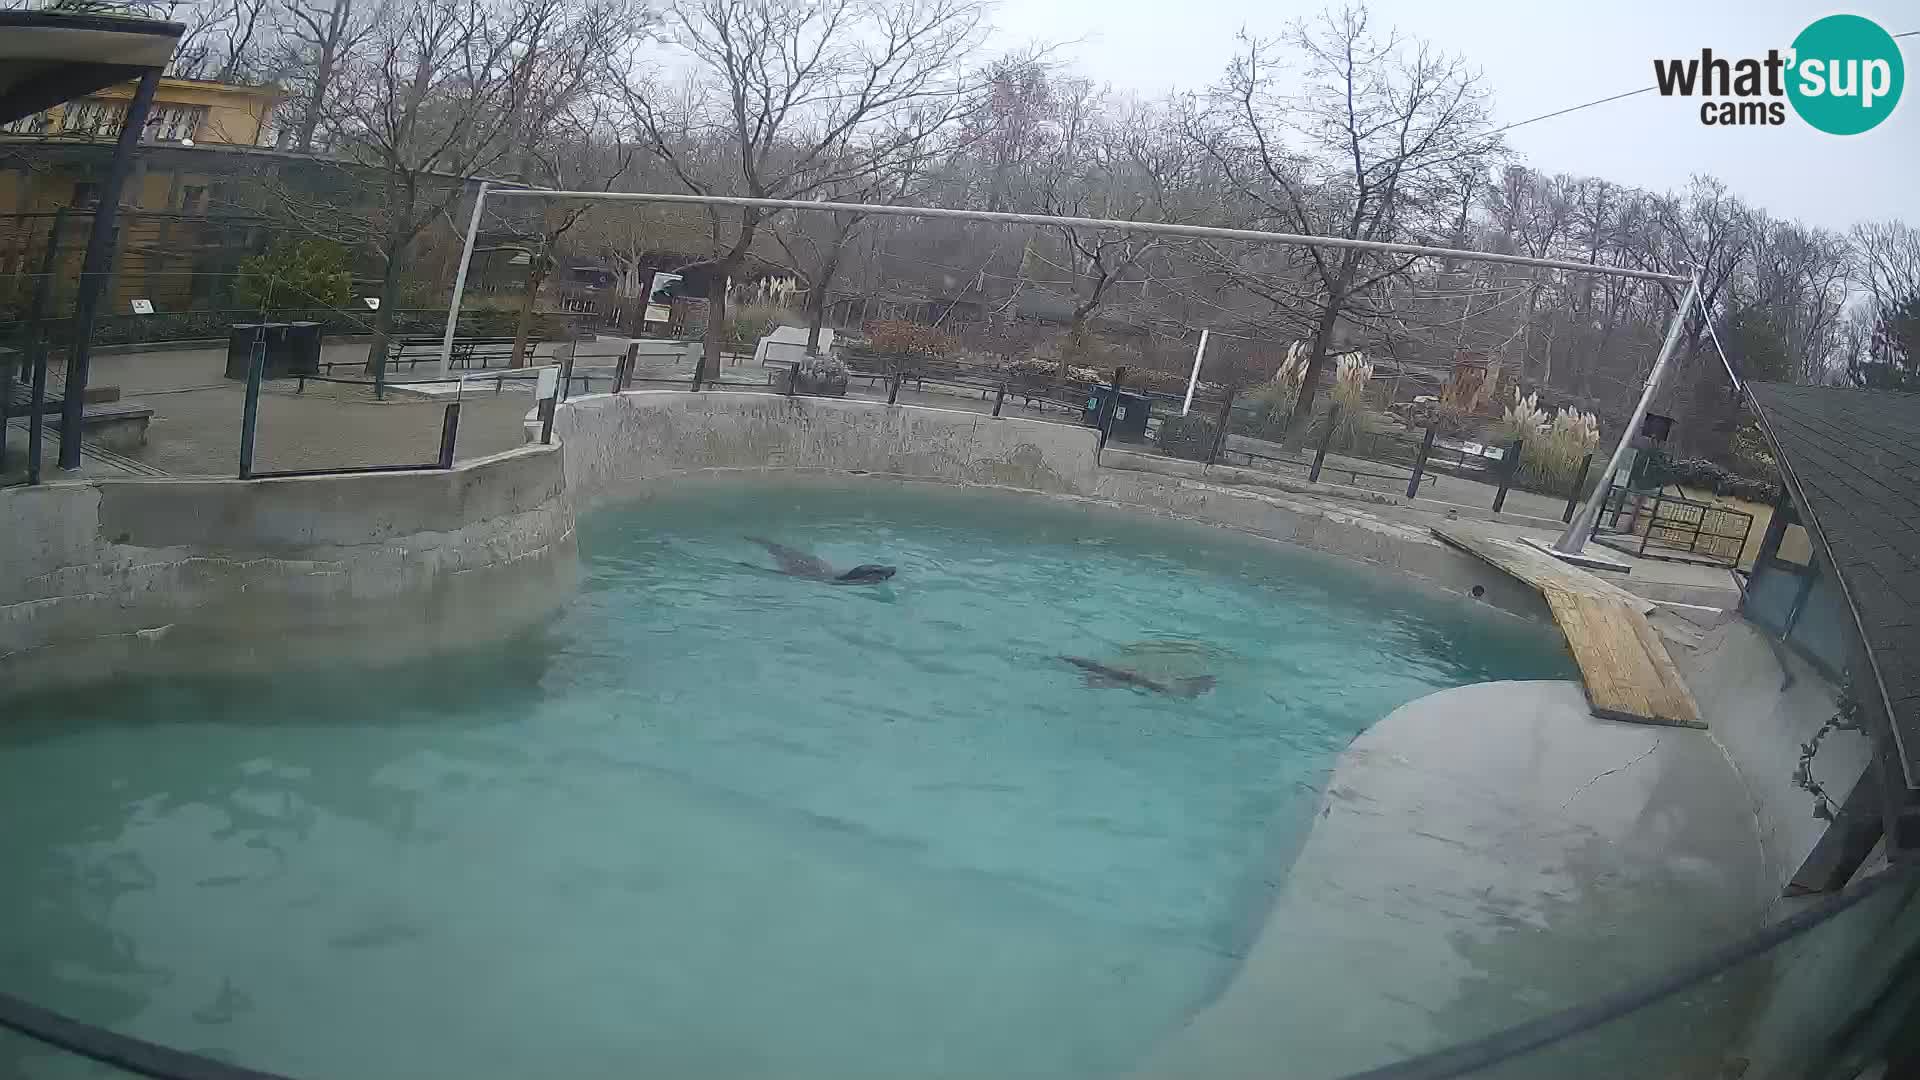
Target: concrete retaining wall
1765,705
630,444
112,576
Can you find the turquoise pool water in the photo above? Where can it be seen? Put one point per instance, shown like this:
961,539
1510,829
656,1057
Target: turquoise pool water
715,821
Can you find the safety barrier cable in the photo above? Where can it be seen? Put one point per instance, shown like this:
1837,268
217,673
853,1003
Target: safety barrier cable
1463,1059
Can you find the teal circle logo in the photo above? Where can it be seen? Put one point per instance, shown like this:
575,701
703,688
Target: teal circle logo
1847,74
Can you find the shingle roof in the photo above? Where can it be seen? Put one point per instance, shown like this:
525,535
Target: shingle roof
1853,458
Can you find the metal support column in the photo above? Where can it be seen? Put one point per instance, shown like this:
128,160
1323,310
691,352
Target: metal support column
94,270
1420,464
1580,529
1579,487
460,280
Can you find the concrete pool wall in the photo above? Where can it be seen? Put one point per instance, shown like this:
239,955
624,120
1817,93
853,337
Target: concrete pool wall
1502,814
626,445
1529,854
106,577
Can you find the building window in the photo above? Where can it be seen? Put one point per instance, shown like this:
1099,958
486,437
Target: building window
1793,595
92,118
99,118
39,123
174,123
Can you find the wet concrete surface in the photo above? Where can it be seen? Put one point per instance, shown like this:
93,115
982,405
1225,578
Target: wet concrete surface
1484,856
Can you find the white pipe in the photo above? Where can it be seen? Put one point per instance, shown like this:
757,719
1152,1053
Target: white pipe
1580,529
1162,228
1194,379
460,280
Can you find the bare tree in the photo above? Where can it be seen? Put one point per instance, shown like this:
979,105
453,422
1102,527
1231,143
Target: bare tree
1366,151
320,37
226,40
576,163
422,107
801,97
1886,264
817,244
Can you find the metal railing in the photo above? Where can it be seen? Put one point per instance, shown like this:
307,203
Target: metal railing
1838,975
1656,525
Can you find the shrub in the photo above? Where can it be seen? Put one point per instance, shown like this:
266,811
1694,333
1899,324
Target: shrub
307,272
1190,437
1710,476
1149,379
748,323
1352,372
898,337
1550,450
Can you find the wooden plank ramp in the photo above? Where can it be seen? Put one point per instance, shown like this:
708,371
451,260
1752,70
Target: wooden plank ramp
1624,664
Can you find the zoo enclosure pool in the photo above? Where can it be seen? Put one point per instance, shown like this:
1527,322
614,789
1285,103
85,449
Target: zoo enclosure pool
456,743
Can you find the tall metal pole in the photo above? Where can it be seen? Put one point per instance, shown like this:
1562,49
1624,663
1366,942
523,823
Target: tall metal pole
1580,530
1051,221
93,270
1194,379
460,280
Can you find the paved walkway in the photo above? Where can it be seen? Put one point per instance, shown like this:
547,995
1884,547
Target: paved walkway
197,416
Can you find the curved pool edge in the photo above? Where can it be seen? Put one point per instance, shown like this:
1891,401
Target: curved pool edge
629,445
1480,849
117,577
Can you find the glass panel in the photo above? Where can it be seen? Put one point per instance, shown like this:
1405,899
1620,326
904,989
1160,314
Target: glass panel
1827,1002
1796,546
1825,629
30,1059
1770,596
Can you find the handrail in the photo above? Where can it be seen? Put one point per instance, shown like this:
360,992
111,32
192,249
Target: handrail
1505,1045
159,1062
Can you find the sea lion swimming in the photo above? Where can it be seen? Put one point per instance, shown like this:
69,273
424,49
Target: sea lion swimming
1105,675
802,565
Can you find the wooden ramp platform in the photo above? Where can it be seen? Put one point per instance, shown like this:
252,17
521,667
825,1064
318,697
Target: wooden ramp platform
1623,662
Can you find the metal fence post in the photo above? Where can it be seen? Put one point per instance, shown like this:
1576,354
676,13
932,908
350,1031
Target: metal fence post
893,387
624,371
1000,397
1511,459
566,370
1326,440
37,419
35,355
250,412
1420,465
1579,487
1220,426
1113,405
449,431
96,265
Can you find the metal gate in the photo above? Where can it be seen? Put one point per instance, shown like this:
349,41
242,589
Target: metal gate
1660,526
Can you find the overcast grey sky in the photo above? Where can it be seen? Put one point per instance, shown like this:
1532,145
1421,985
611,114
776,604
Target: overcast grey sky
1542,55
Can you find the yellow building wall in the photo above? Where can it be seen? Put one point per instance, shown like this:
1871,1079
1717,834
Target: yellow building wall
236,115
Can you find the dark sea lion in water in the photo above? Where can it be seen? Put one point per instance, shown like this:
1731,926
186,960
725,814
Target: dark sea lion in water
802,565
1105,675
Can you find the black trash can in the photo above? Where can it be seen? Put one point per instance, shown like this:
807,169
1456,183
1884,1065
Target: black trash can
1129,419
292,349
241,338
303,348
